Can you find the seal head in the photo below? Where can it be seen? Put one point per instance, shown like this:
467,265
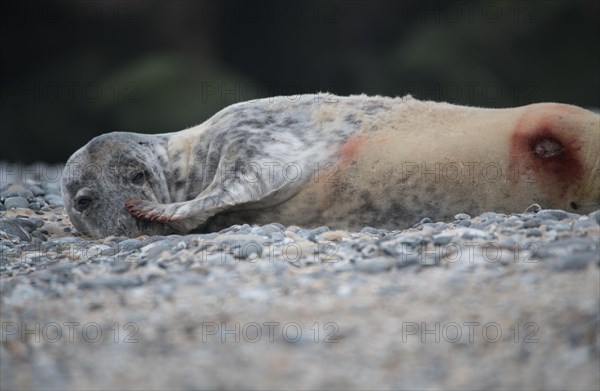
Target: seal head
112,168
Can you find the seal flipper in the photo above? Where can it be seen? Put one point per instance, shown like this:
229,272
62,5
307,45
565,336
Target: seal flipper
188,215
151,211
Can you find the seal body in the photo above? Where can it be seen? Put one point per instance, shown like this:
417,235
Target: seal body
345,162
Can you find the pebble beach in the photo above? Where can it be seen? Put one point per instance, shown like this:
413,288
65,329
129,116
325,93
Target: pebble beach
484,301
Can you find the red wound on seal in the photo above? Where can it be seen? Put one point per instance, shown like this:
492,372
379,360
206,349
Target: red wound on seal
547,148
539,153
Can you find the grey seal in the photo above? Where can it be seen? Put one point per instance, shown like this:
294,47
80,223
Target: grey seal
345,162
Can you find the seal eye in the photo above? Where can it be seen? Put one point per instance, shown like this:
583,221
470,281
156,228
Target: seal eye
83,203
138,178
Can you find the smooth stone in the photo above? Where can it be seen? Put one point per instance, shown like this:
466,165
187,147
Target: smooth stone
320,230
120,267
375,265
129,244
20,228
583,223
481,224
569,245
370,230
55,200
462,216
111,282
442,239
260,231
534,233
551,214
472,233
532,223
405,260
557,226
574,261
16,202
277,236
306,234
219,258
369,249
595,216
463,223
491,216
7,243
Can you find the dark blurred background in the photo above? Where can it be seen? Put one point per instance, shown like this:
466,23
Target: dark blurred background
74,69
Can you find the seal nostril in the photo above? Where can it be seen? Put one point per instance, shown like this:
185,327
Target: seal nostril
547,148
574,205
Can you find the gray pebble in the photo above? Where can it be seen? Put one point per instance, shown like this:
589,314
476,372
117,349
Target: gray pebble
36,190
16,202
405,260
39,235
129,244
277,236
492,216
481,224
20,228
471,233
551,214
260,231
35,206
55,200
320,230
245,229
111,282
25,193
442,239
584,222
463,223
370,230
462,216
595,216
557,226
375,265
277,227
369,249
574,261
7,243
306,234
425,220
36,222
120,267
536,233
532,223
218,258
233,228
153,250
